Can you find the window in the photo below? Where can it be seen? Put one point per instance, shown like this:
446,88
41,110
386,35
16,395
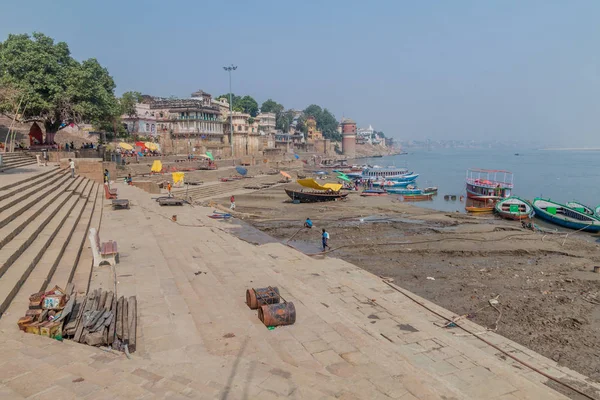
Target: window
147,127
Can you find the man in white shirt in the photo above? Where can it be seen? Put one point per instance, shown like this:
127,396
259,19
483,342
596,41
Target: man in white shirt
72,166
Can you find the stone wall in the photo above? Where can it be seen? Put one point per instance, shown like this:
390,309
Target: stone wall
91,168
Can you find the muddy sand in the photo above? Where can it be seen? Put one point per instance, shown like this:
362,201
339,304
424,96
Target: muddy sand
549,298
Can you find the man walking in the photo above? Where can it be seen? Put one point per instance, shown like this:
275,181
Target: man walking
72,166
325,240
232,200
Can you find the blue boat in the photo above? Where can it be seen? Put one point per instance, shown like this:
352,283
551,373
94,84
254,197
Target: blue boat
410,177
567,217
399,190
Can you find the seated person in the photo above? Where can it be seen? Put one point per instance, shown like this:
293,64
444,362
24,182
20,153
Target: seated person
308,223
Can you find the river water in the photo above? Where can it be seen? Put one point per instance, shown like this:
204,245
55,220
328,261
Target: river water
560,175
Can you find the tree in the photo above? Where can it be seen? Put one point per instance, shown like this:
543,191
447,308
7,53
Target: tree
326,121
380,134
271,106
244,104
56,88
128,101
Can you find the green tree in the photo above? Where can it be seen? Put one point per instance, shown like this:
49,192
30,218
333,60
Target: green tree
128,101
271,106
249,105
326,121
56,88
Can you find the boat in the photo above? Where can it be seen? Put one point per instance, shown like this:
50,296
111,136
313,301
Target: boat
383,173
392,184
562,215
399,190
478,206
320,193
410,177
431,189
373,192
581,207
597,210
514,208
417,197
314,196
489,184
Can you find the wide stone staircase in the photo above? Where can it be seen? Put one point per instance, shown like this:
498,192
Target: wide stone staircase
219,189
15,160
44,219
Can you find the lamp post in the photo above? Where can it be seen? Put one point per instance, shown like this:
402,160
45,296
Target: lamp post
229,69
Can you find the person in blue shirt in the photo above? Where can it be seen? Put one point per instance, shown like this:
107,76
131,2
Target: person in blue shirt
325,238
308,223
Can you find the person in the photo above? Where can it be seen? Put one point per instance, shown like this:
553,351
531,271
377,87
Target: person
106,176
129,180
232,200
325,239
72,146
308,223
72,166
66,146
169,187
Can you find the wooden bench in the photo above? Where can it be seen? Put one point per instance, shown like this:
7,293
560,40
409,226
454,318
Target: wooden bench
170,201
103,252
109,193
120,204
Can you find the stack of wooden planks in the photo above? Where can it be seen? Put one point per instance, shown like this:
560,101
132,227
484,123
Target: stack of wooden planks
100,319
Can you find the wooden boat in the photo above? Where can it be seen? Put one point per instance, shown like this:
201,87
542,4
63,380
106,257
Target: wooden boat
581,207
567,217
431,189
514,208
478,206
315,196
485,184
417,197
373,192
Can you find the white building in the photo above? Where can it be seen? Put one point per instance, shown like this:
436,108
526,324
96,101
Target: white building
365,135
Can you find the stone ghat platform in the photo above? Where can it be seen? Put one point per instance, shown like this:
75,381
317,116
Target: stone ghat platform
355,336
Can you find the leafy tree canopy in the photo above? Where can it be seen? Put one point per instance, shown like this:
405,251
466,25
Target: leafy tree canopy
54,87
128,101
326,121
245,104
381,134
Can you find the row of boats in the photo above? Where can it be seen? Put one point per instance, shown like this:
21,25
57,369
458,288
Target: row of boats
491,191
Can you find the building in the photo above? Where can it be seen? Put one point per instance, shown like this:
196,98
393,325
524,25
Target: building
313,134
365,135
266,122
143,122
348,137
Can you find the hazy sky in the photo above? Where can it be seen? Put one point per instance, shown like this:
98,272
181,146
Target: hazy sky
525,70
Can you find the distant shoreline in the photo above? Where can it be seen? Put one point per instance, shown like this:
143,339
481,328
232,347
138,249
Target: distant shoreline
573,149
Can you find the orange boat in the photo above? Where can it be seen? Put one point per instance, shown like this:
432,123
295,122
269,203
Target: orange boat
480,207
418,197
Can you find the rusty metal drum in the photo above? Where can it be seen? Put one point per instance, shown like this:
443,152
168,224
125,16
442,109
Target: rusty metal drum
261,296
277,314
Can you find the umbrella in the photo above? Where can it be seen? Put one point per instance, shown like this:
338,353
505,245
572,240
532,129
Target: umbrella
285,174
209,154
297,156
344,178
125,146
241,170
151,146
204,156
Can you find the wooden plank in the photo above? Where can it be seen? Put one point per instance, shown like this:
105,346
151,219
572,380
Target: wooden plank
119,318
125,321
102,300
89,303
108,307
113,323
70,288
132,320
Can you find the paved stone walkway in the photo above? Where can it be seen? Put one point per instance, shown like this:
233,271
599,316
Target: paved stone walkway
355,337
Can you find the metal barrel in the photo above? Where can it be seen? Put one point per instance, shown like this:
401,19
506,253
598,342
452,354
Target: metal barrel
261,296
277,314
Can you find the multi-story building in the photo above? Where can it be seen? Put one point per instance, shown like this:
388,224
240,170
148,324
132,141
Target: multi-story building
266,122
143,122
365,135
313,134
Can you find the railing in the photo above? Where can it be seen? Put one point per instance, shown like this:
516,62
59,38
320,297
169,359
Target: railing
197,118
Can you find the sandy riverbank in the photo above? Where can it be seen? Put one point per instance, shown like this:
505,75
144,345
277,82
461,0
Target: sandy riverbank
549,298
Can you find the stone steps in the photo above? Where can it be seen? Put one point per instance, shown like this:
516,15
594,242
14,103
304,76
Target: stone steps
25,183
83,267
22,195
222,189
13,250
14,277
16,221
52,256
68,263
16,162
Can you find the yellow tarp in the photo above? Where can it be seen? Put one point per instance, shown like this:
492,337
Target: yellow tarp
156,166
311,183
178,177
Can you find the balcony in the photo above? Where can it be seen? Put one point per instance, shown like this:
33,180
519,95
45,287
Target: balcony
197,118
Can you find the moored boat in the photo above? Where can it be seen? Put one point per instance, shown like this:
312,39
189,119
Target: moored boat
485,184
478,206
581,207
597,210
326,192
417,197
514,208
373,192
565,216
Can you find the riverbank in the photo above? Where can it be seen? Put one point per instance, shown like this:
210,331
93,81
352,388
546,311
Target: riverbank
549,298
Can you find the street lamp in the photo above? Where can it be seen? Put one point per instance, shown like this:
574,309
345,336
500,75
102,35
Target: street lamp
229,69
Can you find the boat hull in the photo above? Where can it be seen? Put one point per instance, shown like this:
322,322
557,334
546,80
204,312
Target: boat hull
586,223
314,197
523,210
417,197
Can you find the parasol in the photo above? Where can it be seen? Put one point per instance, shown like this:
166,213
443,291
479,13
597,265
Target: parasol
285,174
241,170
151,146
209,154
297,156
125,146
344,178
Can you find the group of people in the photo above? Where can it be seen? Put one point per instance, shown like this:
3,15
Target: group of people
324,234
71,146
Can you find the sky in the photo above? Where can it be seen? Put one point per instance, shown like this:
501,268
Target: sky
507,70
